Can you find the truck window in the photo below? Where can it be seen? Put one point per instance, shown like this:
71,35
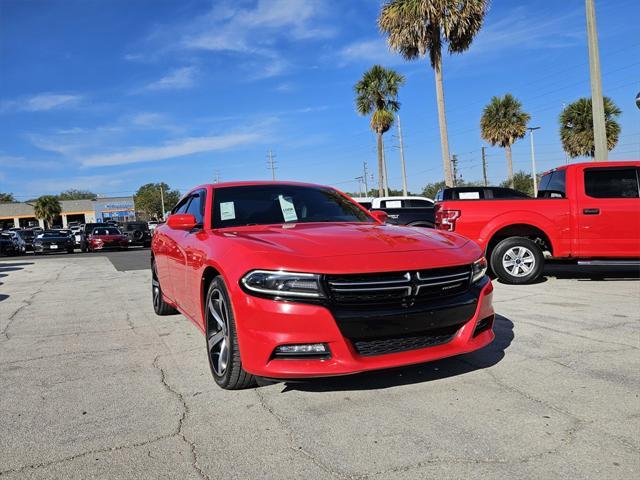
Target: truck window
611,182
552,185
392,204
417,203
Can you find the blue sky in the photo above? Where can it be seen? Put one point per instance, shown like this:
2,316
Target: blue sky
108,95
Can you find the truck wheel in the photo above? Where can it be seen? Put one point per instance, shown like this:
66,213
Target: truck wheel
517,260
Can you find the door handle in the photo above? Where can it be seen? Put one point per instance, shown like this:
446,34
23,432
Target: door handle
591,211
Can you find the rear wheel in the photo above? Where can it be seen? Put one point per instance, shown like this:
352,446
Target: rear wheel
159,305
223,350
517,260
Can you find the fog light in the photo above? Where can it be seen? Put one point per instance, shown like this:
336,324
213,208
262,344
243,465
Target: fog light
306,349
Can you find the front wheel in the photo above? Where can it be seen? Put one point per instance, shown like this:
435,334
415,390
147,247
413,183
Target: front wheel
223,350
159,305
517,260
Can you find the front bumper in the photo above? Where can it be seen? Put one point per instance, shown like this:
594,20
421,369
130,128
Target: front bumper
264,324
108,245
44,248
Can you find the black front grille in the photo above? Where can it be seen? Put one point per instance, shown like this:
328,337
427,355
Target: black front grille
397,288
381,346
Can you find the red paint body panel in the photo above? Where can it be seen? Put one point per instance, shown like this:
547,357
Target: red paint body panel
613,233
98,242
323,248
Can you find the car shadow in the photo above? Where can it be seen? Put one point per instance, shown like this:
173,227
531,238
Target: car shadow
14,264
3,296
564,270
425,372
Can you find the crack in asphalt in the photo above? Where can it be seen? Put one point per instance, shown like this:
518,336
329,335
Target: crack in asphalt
28,302
299,449
84,454
183,416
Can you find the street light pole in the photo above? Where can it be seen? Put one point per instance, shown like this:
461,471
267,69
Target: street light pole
533,161
404,171
597,103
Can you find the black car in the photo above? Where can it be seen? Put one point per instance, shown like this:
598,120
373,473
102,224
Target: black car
87,229
28,236
138,233
53,241
478,193
7,245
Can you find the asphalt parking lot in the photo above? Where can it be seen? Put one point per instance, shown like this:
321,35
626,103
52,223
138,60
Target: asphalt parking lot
94,385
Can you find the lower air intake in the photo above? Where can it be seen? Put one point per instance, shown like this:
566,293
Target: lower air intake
382,346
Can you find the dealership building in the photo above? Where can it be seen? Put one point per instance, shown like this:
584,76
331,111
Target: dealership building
101,209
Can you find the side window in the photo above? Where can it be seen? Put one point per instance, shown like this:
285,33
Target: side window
182,205
552,185
611,182
196,207
392,204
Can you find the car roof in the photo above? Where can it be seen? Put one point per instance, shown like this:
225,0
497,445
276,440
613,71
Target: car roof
251,183
608,163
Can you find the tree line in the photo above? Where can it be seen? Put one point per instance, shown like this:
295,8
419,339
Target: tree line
423,28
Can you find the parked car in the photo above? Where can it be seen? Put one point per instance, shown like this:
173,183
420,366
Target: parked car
7,245
138,233
411,211
478,193
87,228
588,212
53,241
28,235
292,280
19,242
102,238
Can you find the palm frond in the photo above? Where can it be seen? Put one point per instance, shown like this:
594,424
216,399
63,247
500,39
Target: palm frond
576,127
503,121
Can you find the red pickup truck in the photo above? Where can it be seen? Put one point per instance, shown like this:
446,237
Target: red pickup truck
585,211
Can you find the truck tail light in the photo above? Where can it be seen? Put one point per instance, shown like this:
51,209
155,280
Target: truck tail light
446,219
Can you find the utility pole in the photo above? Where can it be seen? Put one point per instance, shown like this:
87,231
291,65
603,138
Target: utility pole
162,200
385,181
216,176
454,163
533,161
404,172
484,167
360,185
597,103
272,165
366,185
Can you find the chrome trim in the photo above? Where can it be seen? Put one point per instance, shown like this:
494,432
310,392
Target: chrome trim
407,278
375,289
463,274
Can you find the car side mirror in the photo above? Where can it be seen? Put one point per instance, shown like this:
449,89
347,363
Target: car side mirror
381,216
181,221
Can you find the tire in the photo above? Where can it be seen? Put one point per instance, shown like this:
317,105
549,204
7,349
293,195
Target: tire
223,351
147,245
517,260
161,307
70,250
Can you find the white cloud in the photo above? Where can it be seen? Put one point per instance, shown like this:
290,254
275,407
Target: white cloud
369,51
179,148
41,102
178,79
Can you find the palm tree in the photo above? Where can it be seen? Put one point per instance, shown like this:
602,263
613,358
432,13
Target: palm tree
377,94
418,27
503,122
47,207
576,127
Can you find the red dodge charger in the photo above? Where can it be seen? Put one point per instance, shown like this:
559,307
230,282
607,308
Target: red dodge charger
291,280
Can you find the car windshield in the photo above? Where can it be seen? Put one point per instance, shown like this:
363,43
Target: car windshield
27,234
106,231
276,204
132,227
52,233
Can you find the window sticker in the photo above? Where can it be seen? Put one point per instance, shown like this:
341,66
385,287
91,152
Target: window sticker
469,195
288,210
393,204
227,211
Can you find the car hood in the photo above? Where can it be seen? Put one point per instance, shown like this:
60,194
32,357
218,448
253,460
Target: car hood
340,239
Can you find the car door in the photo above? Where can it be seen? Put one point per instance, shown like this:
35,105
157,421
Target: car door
170,261
608,212
193,254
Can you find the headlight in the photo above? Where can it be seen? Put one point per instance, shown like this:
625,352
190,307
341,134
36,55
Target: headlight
283,284
479,268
